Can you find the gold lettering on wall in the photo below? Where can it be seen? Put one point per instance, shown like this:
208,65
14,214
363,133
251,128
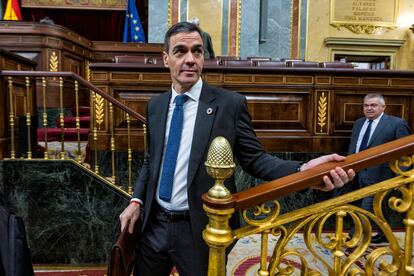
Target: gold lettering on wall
364,16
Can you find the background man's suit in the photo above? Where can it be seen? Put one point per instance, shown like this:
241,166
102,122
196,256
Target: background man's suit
388,129
208,46
229,118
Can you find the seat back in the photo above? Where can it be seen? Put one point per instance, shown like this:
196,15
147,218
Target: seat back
130,59
296,63
272,63
238,63
336,64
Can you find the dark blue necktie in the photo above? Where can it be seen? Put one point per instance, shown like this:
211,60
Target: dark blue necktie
171,152
364,143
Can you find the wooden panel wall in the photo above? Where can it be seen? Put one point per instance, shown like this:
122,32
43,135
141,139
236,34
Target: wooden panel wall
292,109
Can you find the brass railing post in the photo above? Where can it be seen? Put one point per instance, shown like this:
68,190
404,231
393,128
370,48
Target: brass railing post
218,204
27,108
409,229
12,118
46,153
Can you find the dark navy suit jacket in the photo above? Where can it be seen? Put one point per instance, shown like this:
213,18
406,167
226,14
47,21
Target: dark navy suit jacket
229,119
388,129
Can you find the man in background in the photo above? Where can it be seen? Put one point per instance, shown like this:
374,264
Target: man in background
374,129
208,44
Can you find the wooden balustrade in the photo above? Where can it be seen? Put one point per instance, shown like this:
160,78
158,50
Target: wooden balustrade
82,141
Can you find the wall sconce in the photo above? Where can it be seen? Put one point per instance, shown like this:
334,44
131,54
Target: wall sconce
412,28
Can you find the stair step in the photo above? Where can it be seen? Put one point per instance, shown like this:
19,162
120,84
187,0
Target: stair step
83,111
55,134
71,122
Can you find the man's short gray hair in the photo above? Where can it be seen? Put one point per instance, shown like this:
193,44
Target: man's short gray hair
375,95
195,21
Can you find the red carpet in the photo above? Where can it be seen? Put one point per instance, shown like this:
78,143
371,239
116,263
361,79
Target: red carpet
70,271
73,271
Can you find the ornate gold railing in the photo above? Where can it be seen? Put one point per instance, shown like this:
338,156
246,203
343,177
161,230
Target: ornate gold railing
261,211
99,150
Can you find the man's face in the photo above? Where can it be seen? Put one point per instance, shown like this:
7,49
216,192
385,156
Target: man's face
373,108
185,59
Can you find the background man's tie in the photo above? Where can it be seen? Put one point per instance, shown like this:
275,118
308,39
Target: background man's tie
171,152
364,143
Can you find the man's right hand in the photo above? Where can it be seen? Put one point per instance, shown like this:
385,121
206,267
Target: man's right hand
130,215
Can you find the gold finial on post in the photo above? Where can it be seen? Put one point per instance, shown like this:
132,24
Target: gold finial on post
218,204
220,166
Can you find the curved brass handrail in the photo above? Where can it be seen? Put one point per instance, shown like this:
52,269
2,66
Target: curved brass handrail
81,81
295,182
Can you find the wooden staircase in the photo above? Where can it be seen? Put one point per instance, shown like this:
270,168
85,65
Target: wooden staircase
69,127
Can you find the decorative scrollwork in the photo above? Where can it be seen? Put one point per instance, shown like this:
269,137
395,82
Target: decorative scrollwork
287,268
402,204
322,107
405,162
345,252
362,29
339,252
378,257
265,213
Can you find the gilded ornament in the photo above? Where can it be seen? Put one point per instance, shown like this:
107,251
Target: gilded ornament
322,108
53,62
87,71
99,110
363,29
262,214
220,166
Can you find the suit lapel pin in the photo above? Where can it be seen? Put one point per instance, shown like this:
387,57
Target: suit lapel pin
209,111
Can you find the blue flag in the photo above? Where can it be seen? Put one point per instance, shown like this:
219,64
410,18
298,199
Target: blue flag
133,31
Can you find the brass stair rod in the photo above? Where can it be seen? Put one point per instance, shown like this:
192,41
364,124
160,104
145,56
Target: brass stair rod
12,118
129,155
111,126
409,229
62,119
79,153
95,134
263,252
28,122
144,129
46,153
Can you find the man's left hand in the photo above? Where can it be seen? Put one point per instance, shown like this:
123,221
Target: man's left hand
338,177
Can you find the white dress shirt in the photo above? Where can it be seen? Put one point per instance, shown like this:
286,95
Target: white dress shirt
179,197
374,125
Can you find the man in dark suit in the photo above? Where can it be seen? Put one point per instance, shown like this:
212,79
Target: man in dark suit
374,129
173,218
207,42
